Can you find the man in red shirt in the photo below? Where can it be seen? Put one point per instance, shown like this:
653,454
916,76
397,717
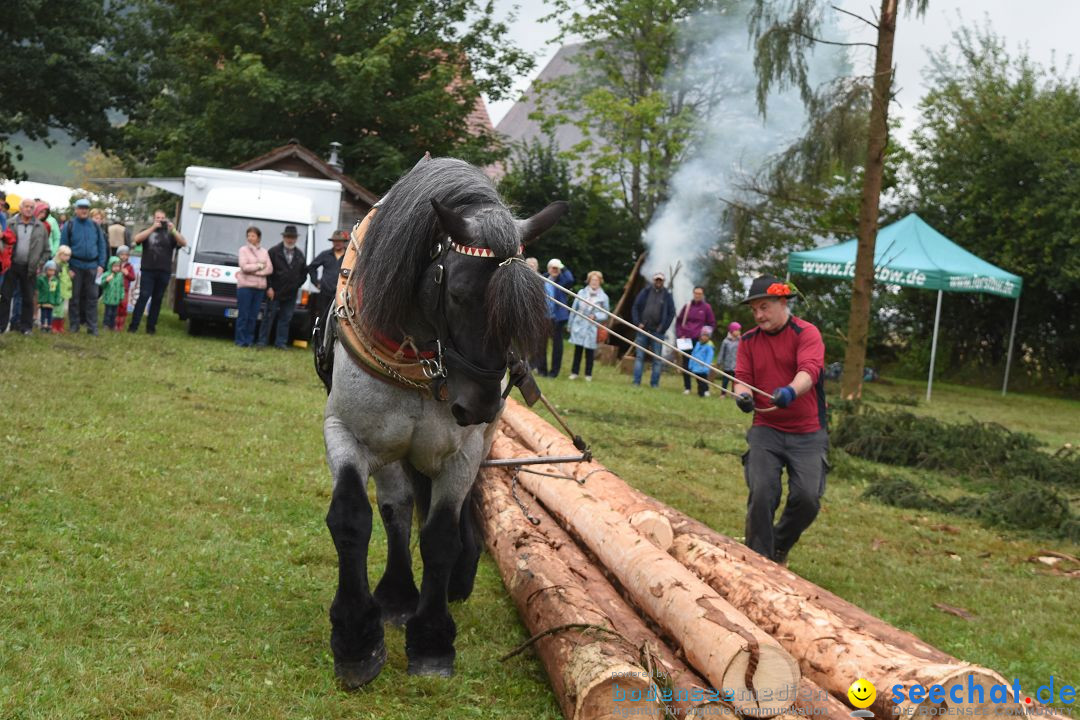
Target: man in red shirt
785,353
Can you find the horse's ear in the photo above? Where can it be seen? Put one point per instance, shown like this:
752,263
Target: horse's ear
542,221
452,224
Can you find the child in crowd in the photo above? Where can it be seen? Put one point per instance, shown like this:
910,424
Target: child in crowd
128,271
112,292
64,273
729,352
48,295
702,353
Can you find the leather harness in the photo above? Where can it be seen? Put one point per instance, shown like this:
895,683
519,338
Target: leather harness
398,363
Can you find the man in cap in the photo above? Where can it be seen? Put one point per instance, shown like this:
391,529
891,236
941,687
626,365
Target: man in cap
652,312
30,252
557,314
290,270
784,355
88,257
159,241
330,263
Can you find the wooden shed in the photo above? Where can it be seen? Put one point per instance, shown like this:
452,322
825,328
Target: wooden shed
294,158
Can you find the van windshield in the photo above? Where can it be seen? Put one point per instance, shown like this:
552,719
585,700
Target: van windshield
221,236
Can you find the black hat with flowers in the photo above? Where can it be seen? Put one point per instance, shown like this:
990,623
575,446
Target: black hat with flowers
768,286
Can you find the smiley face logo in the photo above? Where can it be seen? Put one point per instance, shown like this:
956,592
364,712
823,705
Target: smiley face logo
862,693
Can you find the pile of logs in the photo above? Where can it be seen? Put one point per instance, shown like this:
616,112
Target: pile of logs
638,610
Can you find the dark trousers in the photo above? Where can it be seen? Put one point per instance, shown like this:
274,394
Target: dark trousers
17,276
686,375
702,387
84,299
278,313
804,456
46,319
558,329
589,355
248,301
109,321
152,286
725,380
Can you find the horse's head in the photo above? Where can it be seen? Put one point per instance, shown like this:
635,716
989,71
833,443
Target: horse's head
483,299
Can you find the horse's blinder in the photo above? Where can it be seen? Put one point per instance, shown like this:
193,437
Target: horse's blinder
444,340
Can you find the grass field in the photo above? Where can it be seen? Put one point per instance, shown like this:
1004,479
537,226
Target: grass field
163,552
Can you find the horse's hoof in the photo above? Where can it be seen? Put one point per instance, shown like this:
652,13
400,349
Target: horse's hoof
433,666
354,674
396,617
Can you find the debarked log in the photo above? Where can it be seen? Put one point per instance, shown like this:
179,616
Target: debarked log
830,652
717,640
835,641
586,660
682,690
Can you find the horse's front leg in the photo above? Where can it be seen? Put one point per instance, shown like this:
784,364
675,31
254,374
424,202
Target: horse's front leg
356,631
396,592
430,634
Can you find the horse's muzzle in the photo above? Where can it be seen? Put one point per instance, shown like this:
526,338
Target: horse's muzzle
473,416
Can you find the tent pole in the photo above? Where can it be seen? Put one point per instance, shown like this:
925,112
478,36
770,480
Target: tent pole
933,347
1008,356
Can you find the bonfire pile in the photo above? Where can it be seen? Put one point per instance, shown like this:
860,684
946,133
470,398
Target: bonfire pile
638,610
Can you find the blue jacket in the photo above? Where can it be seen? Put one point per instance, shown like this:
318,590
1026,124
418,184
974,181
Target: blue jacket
638,310
555,312
87,243
703,354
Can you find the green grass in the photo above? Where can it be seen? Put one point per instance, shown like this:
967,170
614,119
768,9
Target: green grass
163,552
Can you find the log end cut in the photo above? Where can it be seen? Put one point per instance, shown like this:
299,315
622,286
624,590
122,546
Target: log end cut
775,682
654,527
605,690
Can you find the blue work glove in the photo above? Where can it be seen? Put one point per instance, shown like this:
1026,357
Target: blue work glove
782,397
745,402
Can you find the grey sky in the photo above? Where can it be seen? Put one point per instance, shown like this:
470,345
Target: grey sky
1046,27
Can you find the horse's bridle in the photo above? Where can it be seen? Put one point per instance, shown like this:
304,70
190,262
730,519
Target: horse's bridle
435,368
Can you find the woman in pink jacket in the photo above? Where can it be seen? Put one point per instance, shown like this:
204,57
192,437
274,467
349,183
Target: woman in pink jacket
255,265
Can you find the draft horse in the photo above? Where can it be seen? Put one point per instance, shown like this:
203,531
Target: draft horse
439,285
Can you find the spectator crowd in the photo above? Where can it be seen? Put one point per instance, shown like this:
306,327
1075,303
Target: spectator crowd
653,312
56,270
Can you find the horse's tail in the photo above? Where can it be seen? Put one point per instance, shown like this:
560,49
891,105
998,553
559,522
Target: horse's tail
322,344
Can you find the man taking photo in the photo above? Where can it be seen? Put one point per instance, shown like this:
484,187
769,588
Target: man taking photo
158,241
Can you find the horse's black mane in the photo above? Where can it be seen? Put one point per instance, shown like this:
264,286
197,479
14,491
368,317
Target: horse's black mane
399,241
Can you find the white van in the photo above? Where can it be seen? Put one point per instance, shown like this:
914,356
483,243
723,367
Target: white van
219,206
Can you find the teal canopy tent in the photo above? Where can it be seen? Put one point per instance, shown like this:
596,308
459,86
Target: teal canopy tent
913,254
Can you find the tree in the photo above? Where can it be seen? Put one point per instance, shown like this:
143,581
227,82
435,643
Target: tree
390,81
595,235
638,94
996,159
64,68
784,32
